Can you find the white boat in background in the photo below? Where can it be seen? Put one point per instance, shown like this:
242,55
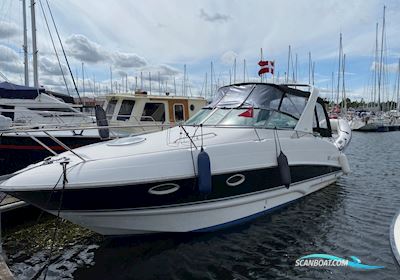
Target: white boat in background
395,237
258,146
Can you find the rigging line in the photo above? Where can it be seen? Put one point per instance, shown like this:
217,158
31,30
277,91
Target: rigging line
4,76
54,47
65,181
62,47
194,167
187,134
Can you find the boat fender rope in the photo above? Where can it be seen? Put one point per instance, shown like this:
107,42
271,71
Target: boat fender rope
283,164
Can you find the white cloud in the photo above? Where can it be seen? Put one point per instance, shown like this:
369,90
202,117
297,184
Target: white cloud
388,67
127,60
85,50
227,58
9,60
51,67
8,29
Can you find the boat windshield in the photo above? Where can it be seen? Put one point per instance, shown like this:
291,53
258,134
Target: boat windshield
255,105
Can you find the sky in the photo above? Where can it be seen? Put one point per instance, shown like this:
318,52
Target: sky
129,38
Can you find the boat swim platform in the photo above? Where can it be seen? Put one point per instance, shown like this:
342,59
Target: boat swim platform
395,237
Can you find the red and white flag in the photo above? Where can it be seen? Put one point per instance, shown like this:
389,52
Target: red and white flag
266,67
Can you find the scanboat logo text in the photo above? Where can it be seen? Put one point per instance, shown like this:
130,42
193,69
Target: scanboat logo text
320,260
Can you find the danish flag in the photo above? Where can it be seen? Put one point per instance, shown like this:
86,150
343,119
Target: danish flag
266,67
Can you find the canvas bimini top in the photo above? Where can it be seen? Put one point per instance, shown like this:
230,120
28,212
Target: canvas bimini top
261,105
14,91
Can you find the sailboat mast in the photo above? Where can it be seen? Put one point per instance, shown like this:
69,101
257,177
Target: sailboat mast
381,61
309,68
339,69
234,71
398,88
344,102
244,70
83,79
374,91
111,81
288,66
211,80
25,46
34,46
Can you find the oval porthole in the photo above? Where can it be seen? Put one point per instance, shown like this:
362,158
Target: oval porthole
164,189
192,107
235,180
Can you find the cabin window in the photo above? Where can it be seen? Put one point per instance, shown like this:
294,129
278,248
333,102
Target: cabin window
321,116
179,113
320,121
110,108
126,110
153,112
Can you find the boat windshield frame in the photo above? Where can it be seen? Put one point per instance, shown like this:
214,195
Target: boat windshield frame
217,106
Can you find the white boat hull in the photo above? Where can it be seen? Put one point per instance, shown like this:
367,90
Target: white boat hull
204,216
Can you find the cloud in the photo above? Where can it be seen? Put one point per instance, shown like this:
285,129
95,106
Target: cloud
51,67
8,29
84,49
166,72
228,57
217,17
390,67
128,60
9,60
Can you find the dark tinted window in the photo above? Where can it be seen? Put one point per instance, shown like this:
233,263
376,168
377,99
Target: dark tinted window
125,110
154,112
179,113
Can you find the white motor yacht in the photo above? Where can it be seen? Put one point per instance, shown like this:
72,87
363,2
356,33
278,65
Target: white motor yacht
255,148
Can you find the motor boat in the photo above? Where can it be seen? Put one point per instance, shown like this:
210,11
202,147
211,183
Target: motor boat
254,148
26,108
